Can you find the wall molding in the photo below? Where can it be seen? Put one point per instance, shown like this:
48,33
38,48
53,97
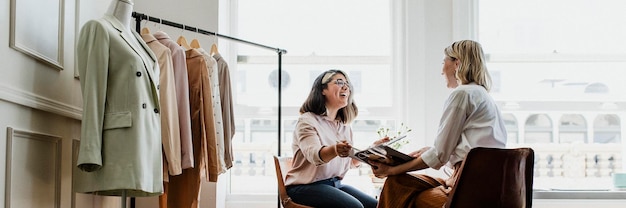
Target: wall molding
33,169
31,100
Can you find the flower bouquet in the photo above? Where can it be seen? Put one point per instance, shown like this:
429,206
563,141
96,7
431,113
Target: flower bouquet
401,131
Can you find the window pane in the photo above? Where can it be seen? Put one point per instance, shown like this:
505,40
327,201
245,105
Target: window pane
572,129
552,27
510,121
573,122
560,67
511,127
318,35
316,28
538,137
572,137
539,121
606,129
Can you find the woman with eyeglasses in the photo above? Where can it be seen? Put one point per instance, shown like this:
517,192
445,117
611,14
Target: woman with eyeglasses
322,143
470,119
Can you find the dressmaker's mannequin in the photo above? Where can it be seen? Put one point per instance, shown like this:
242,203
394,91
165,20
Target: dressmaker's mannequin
122,10
120,146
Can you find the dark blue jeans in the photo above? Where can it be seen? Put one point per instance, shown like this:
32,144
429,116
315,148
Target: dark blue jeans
330,193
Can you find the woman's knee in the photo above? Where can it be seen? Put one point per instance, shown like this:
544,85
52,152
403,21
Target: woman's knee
434,197
323,196
395,179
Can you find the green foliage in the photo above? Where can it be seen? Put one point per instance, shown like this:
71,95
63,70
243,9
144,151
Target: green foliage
402,130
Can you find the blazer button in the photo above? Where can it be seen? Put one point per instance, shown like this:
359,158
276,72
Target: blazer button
158,86
144,106
138,74
156,110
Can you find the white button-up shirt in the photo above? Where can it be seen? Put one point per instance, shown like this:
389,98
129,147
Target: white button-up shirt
470,119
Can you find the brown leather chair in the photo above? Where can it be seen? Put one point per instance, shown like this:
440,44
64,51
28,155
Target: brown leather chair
285,200
492,177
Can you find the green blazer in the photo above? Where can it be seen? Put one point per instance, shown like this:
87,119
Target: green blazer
120,145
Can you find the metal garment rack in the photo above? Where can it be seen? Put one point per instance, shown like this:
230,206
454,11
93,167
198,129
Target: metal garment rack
140,16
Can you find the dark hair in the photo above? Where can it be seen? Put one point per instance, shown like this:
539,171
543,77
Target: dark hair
316,102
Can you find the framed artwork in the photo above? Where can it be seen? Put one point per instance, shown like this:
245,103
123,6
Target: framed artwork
37,30
33,170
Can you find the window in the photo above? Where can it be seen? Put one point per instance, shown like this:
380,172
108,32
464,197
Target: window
572,129
560,66
511,126
538,129
606,129
318,35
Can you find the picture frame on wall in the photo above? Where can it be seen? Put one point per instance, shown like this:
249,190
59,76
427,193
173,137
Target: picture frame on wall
37,30
33,169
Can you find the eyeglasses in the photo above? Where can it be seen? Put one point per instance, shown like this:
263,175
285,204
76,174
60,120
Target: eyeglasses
341,83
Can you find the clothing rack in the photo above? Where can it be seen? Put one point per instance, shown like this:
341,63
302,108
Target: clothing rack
140,16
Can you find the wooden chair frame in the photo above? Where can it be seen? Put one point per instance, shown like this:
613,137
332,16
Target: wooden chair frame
285,200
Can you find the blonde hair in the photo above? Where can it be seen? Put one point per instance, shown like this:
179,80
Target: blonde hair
473,67
316,102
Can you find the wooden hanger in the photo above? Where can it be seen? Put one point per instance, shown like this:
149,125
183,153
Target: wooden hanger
195,43
213,49
182,41
145,31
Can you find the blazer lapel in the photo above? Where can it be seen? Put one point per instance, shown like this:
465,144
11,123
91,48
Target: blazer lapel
155,67
151,67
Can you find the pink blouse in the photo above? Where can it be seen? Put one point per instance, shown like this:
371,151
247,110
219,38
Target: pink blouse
312,133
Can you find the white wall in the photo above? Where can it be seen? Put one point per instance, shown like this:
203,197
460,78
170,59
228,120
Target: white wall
41,100
429,31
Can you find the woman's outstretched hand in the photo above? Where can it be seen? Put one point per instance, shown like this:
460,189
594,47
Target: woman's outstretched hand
419,152
380,141
343,148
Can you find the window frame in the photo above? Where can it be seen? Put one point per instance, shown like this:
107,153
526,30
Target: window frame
290,113
465,19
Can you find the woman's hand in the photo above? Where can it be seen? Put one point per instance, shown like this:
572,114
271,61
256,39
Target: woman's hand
419,152
355,163
380,170
380,141
343,148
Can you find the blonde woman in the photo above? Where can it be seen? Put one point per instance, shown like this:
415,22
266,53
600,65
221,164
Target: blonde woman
470,119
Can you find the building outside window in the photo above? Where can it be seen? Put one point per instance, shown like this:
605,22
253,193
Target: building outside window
561,66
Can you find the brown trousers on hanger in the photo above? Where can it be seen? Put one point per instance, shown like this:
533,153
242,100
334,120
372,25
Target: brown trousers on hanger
183,191
163,197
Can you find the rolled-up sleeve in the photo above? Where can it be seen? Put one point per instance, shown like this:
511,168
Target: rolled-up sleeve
449,133
308,140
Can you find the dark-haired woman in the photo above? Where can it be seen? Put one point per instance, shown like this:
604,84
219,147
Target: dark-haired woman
321,145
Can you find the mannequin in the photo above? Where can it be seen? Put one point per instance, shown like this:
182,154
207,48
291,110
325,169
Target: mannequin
120,144
122,10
